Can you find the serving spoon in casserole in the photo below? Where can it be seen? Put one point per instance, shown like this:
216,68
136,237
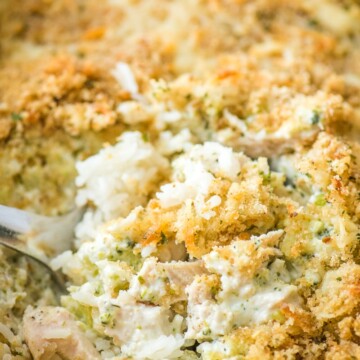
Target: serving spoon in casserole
35,235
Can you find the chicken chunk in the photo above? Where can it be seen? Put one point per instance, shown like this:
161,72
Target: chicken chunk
182,273
52,333
271,146
165,283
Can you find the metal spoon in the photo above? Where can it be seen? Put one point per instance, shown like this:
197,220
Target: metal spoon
28,234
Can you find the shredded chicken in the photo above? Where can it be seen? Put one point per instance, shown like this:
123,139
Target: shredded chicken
52,333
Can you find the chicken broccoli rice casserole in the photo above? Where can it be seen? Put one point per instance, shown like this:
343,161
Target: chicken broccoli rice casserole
215,148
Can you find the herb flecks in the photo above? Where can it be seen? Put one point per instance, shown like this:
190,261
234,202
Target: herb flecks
16,116
164,239
315,117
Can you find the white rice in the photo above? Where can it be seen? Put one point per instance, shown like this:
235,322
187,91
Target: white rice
117,179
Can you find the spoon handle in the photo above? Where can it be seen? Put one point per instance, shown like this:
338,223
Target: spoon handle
9,240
